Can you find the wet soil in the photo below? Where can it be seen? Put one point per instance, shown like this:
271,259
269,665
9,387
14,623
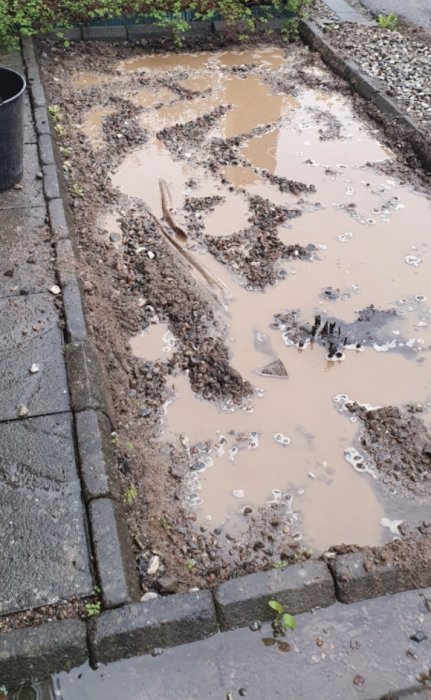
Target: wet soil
399,443
220,476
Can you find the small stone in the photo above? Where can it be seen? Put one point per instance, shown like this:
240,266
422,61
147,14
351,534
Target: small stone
22,411
238,493
114,237
157,651
168,584
242,692
55,289
39,175
153,565
18,187
150,595
34,368
419,636
151,255
88,286
255,626
358,680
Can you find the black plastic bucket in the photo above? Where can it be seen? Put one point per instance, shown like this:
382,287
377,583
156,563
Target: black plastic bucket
12,87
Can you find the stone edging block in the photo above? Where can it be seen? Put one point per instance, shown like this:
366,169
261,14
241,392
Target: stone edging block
58,219
164,622
30,654
105,33
357,577
301,587
365,87
114,560
96,456
87,383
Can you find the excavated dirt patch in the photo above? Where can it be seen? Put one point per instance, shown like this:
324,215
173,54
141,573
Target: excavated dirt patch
232,454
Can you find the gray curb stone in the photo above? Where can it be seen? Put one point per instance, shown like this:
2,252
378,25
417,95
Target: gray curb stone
76,327
114,561
365,87
66,261
356,578
105,33
58,218
46,150
146,31
301,587
37,93
41,118
96,456
163,622
30,654
87,382
71,34
50,181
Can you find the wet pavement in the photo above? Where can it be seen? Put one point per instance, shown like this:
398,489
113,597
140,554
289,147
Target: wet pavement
42,530
363,650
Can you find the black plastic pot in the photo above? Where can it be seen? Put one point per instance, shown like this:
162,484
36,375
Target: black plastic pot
12,87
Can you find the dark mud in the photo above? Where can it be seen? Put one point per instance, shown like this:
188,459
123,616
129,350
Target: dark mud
336,335
399,444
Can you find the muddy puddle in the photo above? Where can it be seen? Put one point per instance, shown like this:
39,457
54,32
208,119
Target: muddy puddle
322,295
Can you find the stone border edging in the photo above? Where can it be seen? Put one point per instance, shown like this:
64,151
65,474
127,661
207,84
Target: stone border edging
149,32
366,88
126,628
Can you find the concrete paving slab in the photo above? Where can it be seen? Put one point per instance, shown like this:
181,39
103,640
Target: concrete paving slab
29,335
25,252
340,653
44,549
30,191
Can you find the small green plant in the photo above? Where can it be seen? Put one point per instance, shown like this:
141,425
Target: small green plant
163,522
283,620
190,564
93,608
130,494
389,21
115,439
291,25
77,190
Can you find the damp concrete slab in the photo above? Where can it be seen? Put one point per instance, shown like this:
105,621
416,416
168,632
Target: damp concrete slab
29,192
43,538
26,263
360,650
31,340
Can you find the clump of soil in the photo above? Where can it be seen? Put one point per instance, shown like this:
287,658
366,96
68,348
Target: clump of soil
334,334
399,444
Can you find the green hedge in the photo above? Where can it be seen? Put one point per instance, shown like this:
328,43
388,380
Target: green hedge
30,17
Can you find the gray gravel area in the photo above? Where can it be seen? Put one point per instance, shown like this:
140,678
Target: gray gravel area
401,64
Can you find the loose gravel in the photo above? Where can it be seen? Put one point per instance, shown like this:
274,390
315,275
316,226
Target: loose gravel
400,64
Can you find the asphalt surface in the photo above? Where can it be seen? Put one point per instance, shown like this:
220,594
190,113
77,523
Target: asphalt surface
416,11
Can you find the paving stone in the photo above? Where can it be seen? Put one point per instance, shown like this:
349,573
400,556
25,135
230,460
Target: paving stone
300,587
41,515
98,463
328,650
29,335
116,569
31,194
25,252
29,654
163,622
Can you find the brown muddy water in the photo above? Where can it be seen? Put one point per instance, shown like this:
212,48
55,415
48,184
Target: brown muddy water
291,440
